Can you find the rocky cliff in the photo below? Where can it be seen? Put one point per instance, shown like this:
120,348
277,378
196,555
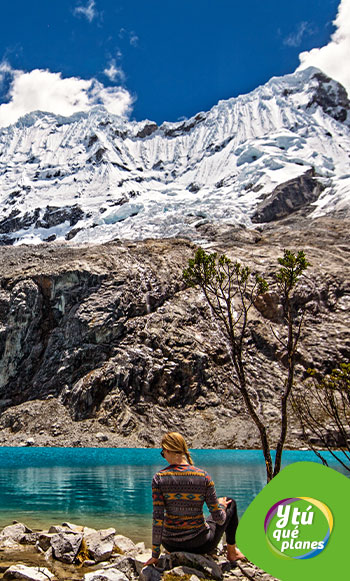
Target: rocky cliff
105,345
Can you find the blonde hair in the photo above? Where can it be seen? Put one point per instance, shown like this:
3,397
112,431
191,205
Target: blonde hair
175,443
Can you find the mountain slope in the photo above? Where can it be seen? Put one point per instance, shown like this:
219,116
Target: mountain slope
107,338
94,176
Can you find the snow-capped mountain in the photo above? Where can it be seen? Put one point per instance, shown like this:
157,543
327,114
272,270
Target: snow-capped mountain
94,176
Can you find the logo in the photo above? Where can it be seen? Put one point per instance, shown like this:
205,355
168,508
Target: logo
306,533
298,528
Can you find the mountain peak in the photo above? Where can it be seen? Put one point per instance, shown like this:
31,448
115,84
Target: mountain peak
95,176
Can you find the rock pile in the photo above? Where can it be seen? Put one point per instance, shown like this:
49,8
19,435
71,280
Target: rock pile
104,555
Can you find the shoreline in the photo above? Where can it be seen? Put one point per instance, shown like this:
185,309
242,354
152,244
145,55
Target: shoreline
75,552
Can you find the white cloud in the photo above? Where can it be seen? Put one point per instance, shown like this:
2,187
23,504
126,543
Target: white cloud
333,59
88,11
113,72
49,92
134,39
296,37
131,36
5,68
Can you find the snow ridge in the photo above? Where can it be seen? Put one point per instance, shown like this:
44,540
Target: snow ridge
95,177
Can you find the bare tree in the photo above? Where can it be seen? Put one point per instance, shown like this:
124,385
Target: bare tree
230,290
324,414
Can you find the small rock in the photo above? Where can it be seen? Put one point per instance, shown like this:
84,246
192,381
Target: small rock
186,571
249,570
88,563
210,569
227,566
150,573
141,558
59,529
28,573
7,543
73,527
101,437
88,531
48,554
105,575
141,547
29,539
128,566
44,540
164,562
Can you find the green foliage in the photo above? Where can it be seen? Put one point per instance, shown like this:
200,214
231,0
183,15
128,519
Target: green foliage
292,267
201,269
339,379
221,276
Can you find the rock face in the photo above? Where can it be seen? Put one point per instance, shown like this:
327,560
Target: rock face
293,195
108,340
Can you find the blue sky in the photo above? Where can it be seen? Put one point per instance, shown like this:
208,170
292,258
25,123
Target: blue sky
163,60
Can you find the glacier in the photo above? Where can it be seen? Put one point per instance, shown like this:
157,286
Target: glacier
95,177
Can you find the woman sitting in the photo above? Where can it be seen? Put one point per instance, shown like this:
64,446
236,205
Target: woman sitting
179,492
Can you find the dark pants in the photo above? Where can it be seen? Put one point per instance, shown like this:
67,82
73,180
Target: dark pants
207,541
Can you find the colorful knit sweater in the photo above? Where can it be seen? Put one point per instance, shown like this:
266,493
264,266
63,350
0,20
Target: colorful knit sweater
180,491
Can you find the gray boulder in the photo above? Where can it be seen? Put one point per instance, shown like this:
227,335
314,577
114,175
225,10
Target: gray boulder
16,532
127,565
150,573
111,574
73,527
142,558
43,540
100,544
8,543
58,529
65,546
180,571
124,545
199,562
28,573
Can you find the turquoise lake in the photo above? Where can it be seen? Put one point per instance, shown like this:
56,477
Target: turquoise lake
111,487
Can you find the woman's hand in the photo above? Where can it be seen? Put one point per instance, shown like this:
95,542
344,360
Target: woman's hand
151,561
225,501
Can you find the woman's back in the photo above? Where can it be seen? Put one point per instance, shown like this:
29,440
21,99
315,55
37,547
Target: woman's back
180,491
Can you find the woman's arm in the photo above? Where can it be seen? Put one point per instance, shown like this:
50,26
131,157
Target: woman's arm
216,508
158,517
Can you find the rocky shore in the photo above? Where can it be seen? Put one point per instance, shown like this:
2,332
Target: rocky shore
70,552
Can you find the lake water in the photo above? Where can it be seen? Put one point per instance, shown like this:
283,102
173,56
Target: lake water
111,487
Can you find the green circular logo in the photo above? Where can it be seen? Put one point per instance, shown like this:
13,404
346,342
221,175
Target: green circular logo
298,528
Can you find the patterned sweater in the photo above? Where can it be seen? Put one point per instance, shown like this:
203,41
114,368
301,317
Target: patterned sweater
180,491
